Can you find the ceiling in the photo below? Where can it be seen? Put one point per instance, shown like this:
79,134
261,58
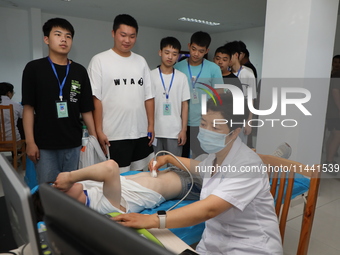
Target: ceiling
232,14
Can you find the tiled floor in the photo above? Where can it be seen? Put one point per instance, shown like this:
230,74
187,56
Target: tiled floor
325,238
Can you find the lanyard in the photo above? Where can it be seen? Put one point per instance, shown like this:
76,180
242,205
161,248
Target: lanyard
193,83
239,70
61,86
172,79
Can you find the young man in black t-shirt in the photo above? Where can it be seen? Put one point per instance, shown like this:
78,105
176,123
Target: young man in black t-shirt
222,58
55,91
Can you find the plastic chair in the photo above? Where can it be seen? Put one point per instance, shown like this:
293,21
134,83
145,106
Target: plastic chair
282,181
12,145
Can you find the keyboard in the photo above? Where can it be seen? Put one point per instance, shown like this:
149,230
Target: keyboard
44,244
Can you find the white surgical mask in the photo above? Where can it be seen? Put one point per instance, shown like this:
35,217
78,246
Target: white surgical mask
212,142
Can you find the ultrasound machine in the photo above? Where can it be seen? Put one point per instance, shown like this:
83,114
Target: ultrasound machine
69,227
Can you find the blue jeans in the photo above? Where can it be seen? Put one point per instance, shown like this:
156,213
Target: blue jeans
52,162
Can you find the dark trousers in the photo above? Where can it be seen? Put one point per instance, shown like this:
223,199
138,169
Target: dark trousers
192,143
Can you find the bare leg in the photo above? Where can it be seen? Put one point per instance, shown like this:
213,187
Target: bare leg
112,187
106,172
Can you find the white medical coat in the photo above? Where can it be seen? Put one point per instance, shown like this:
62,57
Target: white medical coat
250,226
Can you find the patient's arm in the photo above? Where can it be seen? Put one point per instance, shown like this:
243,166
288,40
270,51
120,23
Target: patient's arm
106,172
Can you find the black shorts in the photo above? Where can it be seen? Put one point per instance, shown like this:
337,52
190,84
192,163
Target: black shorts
186,184
192,143
126,151
333,123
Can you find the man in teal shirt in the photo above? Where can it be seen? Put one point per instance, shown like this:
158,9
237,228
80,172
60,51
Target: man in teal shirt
202,75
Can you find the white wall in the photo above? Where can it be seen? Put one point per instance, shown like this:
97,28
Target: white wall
298,46
337,38
15,46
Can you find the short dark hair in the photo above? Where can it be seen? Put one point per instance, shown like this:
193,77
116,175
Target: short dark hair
170,41
6,87
226,110
243,46
124,19
201,38
57,22
233,47
223,50
246,53
336,56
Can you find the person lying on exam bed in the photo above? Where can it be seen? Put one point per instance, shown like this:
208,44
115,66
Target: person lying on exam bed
236,206
102,188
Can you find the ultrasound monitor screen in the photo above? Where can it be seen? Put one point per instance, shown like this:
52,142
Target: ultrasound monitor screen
76,229
19,206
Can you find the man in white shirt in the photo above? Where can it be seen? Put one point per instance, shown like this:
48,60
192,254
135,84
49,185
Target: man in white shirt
171,99
123,98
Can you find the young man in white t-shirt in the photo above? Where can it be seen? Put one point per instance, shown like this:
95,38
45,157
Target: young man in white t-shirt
123,98
247,79
171,100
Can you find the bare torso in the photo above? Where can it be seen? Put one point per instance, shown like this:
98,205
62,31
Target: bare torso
167,183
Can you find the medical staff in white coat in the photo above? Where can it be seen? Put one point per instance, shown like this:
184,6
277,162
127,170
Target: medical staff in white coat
235,201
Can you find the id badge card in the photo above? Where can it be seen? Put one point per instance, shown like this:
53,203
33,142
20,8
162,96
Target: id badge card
62,111
195,98
193,79
166,109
